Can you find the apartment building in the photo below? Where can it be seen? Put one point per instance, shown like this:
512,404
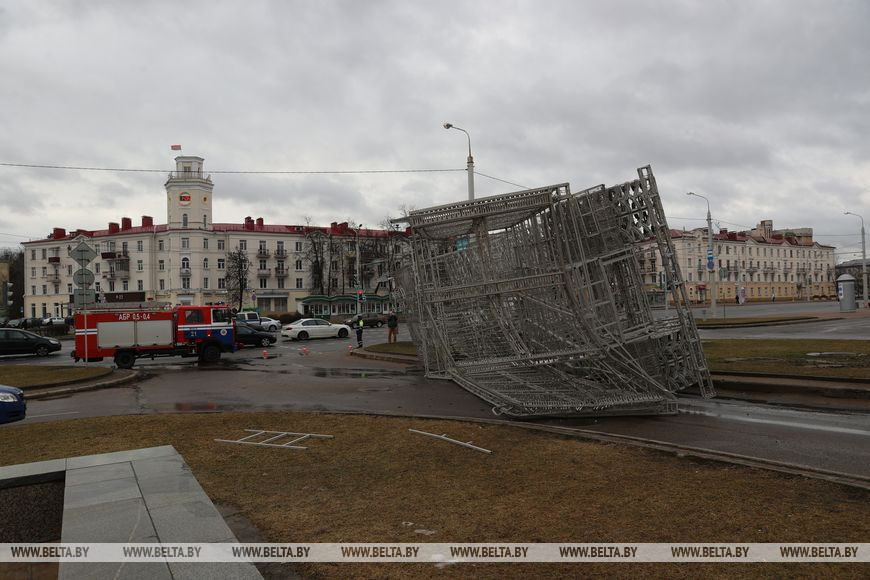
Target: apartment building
763,263
184,261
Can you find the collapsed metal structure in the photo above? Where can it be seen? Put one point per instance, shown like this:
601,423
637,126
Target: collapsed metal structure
534,301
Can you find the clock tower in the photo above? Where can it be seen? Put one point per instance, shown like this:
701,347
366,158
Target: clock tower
188,195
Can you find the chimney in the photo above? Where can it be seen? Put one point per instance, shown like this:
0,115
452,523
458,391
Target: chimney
113,227
249,223
259,222
58,233
126,223
147,221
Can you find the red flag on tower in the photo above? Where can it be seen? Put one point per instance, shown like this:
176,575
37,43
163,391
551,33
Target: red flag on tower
176,147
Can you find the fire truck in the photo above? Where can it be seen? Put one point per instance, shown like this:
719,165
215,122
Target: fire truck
151,331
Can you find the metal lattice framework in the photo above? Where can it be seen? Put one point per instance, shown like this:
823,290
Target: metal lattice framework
534,301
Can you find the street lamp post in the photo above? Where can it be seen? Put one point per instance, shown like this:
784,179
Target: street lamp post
711,258
863,257
470,160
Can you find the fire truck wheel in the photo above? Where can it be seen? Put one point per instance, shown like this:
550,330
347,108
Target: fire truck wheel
211,353
125,359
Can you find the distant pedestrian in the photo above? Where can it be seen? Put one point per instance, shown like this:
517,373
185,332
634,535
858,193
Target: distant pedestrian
773,297
359,332
737,299
393,325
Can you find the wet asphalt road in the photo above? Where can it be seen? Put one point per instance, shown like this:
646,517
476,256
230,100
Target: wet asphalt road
328,379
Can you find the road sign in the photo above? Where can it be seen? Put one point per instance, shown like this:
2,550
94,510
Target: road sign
84,298
83,277
82,254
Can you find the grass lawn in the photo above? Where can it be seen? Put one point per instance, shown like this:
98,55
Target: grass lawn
24,376
790,357
404,347
376,482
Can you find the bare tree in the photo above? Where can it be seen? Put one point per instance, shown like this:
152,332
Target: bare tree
15,259
238,271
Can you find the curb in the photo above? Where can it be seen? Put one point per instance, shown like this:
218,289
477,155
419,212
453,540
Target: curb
52,392
397,358
760,324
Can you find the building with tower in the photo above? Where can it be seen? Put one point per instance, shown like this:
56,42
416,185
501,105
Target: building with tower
295,268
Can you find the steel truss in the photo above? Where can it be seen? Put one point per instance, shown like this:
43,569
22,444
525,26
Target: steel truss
534,301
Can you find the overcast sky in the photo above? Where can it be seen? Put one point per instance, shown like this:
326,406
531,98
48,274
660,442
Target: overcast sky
761,106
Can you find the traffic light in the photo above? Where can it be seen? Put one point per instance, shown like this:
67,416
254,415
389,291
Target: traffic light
359,295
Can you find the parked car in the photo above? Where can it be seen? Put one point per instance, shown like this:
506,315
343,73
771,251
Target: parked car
251,318
370,319
270,324
14,323
15,341
31,323
246,334
53,320
12,404
314,328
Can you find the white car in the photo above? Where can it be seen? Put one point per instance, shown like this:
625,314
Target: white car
53,320
314,328
269,324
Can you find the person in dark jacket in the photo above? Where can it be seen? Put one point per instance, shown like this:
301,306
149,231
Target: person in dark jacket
393,326
359,332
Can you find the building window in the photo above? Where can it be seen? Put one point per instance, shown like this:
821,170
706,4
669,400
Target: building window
32,254
162,284
140,267
33,290
205,283
220,244
185,243
33,272
204,220
160,245
43,253
263,282
222,283
221,263
205,263
69,288
161,265
124,247
44,289
298,246
262,245
44,271
125,285
205,243
298,265
185,283
243,245
262,264
280,282
97,286
56,289
111,285
97,268
185,262
279,246
69,270
139,246
280,267
184,220
140,285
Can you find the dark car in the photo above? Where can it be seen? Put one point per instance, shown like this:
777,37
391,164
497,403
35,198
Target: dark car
251,336
12,405
15,341
31,323
369,320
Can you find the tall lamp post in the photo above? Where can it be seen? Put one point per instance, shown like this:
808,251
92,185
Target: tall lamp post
470,160
711,262
358,272
863,257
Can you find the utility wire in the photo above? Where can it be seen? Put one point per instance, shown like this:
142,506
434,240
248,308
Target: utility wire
502,180
241,172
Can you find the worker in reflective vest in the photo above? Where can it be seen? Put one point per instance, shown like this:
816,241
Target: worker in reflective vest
359,331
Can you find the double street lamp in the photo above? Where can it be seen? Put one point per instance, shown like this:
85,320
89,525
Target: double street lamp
863,257
470,160
711,262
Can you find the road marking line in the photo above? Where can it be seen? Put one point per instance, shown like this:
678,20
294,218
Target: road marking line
53,414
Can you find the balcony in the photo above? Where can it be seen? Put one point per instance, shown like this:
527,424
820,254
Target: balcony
189,175
52,277
54,259
264,272
733,269
280,253
184,271
116,275
263,252
281,272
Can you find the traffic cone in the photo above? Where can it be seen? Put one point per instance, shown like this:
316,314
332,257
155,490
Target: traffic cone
350,349
265,353
305,350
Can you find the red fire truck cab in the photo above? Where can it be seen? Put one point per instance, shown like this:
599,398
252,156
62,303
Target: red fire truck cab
128,334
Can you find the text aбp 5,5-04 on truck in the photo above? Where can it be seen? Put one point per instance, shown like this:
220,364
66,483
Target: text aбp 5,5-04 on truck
125,335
